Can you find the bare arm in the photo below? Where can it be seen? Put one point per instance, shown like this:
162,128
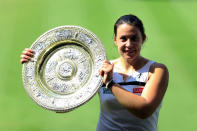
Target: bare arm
144,105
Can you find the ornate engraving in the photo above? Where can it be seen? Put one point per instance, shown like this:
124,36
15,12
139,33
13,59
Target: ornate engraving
63,73
65,70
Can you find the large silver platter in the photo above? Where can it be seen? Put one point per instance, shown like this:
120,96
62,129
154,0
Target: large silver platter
63,74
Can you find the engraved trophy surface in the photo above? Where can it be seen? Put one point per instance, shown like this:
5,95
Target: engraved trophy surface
63,74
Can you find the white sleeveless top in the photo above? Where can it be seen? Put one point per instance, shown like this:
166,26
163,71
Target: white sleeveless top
114,117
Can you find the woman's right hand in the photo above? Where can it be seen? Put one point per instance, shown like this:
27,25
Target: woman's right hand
106,71
26,55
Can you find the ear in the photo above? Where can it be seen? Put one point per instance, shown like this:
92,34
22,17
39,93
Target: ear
144,39
115,40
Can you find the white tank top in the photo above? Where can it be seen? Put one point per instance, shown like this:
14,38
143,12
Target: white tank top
114,117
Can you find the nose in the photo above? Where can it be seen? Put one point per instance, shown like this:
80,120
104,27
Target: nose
128,43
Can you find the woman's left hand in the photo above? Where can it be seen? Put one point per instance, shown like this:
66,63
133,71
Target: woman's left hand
106,71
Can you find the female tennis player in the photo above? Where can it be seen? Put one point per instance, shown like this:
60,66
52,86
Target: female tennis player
134,85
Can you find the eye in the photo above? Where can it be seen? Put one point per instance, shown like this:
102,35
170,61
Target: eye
134,38
123,38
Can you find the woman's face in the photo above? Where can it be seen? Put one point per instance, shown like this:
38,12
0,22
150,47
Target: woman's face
129,41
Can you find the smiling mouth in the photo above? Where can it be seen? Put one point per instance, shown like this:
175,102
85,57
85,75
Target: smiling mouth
130,52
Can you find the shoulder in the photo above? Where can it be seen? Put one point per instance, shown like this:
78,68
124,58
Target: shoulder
159,69
157,65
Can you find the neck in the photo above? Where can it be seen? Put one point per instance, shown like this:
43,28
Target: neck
133,64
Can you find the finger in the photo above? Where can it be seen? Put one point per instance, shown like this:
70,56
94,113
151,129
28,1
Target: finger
27,53
29,50
105,64
108,67
24,60
25,57
105,70
106,61
101,72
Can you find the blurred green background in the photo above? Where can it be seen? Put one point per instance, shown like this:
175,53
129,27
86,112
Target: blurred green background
171,30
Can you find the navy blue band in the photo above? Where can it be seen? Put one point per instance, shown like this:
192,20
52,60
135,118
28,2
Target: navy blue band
131,83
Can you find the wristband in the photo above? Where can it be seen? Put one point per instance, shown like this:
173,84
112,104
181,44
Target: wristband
110,84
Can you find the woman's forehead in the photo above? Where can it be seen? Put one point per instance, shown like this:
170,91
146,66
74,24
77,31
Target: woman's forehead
126,29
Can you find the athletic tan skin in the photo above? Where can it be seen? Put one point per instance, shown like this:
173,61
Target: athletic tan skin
26,55
129,41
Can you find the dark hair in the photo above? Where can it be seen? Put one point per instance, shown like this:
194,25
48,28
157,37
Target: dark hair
131,20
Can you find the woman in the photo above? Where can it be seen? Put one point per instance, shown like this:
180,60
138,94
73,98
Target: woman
135,86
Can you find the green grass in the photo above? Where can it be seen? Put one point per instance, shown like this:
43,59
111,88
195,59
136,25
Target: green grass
170,27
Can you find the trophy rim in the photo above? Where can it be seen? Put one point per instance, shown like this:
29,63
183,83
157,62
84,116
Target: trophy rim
100,81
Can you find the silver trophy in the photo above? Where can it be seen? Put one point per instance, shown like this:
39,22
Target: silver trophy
63,74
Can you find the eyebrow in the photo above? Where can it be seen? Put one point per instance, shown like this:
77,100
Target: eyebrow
135,34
